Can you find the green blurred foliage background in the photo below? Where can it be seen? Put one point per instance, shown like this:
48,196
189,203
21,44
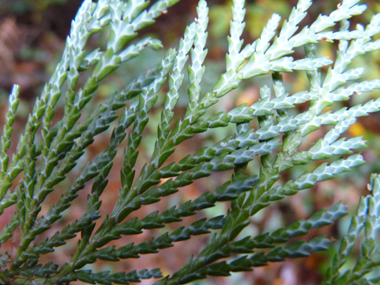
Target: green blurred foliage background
32,37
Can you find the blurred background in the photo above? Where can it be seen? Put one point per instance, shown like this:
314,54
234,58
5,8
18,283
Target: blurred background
32,37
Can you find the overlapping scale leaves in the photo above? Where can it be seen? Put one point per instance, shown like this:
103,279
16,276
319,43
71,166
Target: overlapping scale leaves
366,222
40,166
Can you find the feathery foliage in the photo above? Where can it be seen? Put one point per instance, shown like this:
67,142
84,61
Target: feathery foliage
39,165
366,220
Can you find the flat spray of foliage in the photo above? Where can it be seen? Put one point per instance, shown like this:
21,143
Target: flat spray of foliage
40,166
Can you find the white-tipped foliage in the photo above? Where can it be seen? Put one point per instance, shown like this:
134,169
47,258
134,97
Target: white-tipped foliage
36,168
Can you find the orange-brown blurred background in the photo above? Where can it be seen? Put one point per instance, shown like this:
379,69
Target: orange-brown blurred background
32,37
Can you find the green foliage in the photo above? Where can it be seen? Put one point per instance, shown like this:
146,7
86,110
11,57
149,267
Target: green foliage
38,166
366,220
